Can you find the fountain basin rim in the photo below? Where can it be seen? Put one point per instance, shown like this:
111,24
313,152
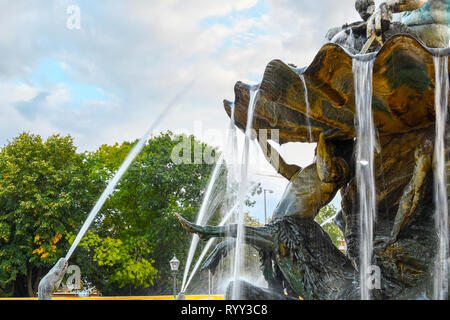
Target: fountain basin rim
437,52
369,56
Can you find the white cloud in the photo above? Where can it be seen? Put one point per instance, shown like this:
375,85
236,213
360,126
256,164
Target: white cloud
141,53
58,97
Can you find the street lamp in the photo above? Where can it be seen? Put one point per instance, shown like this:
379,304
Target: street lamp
265,213
174,264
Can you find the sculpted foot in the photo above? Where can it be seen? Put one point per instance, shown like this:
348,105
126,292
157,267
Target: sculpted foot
193,228
256,236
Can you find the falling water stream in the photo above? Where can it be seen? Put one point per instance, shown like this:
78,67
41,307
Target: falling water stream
243,188
110,188
201,216
232,154
440,289
230,151
308,109
365,138
205,250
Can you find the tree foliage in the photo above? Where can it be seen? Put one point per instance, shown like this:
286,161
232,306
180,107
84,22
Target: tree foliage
137,222
47,190
121,264
43,194
325,217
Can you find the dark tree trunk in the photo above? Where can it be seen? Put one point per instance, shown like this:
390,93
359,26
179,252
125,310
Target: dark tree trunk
30,281
37,278
19,287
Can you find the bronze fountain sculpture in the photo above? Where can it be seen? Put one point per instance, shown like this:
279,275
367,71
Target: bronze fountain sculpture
294,249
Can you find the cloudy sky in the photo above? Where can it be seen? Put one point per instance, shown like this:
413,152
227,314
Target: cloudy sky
107,81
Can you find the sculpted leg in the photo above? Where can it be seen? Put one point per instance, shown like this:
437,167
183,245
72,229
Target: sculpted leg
256,236
219,252
329,167
271,271
415,189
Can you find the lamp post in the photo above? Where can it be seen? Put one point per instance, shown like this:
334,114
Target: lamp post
174,264
265,213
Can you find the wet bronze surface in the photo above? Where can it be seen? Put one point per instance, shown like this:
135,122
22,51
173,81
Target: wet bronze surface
403,94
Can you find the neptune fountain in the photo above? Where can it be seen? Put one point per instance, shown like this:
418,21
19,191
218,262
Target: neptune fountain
379,122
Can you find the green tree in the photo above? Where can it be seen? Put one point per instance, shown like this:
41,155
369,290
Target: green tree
252,264
118,261
43,195
325,217
139,215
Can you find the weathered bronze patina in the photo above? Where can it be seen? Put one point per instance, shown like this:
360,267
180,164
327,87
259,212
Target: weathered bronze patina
294,249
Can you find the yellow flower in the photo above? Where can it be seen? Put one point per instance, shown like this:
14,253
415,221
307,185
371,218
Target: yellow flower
56,238
38,251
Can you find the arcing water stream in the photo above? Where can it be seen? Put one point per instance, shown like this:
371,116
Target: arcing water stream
110,188
365,137
440,290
